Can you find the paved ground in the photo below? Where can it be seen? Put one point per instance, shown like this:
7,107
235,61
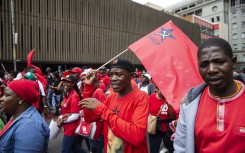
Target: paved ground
55,145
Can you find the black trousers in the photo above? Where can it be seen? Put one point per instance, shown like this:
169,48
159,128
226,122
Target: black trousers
156,139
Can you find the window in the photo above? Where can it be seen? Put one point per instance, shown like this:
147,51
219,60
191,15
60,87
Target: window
243,45
234,45
234,25
243,34
234,36
243,24
243,57
217,18
216,33
233,14
243,13
212,19
214,8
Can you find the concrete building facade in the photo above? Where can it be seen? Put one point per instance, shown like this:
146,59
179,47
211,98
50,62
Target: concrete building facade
81,32
237,30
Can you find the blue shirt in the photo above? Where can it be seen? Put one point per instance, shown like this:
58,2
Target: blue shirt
29,133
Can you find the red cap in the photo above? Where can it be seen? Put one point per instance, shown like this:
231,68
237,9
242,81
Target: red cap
76,70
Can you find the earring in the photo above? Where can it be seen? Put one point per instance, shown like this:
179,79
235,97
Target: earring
20,102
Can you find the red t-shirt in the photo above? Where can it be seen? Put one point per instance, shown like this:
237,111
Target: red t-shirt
220,124
6,127
106,80
164,114
70,105
126,118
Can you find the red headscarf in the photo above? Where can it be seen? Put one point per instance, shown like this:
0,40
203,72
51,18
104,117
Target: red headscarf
26,90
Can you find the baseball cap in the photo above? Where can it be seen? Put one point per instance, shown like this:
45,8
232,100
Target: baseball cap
147,75
76,70
123,64
70,78
30,76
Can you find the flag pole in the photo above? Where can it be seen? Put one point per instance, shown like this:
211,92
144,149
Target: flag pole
111,59
4,68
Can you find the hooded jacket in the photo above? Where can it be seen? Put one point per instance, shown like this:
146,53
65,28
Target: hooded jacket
184,141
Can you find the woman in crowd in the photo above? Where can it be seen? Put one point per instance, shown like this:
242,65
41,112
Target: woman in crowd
70,116
166,113
26,132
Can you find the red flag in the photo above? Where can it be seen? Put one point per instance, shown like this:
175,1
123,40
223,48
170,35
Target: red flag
29,57
39,73
171,59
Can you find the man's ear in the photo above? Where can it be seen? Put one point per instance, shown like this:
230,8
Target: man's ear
234,59
132,75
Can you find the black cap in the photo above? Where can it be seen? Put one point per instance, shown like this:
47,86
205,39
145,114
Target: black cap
123,64
70,78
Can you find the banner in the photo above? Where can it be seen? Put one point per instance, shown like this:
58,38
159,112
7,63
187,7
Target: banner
170,57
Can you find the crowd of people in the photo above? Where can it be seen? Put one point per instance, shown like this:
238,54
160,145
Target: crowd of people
118,100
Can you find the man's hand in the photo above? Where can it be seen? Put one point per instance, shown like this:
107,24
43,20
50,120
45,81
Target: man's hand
59,122
45,111
91,77
89,103
66,116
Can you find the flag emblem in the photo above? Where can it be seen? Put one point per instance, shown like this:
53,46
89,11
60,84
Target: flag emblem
163,33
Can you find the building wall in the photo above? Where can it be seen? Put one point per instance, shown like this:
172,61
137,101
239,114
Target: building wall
213,11
223,31
80,31
210,10
237,30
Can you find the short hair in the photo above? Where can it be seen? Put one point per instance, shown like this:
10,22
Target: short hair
29,68
219,42
56,74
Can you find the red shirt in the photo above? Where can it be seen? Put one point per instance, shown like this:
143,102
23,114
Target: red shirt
220,124
106,80
6,127
155,105
126,118
100,95
70,105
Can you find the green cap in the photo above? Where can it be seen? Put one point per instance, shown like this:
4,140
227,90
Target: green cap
30,76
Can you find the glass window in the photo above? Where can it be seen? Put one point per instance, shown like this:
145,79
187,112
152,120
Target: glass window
217,18
233,14
234,25
214,8
212,19
234,36
243,45
243,57
216,33
243,13
243,34
243,24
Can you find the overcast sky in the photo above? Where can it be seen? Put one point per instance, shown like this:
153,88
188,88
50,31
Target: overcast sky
166,4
